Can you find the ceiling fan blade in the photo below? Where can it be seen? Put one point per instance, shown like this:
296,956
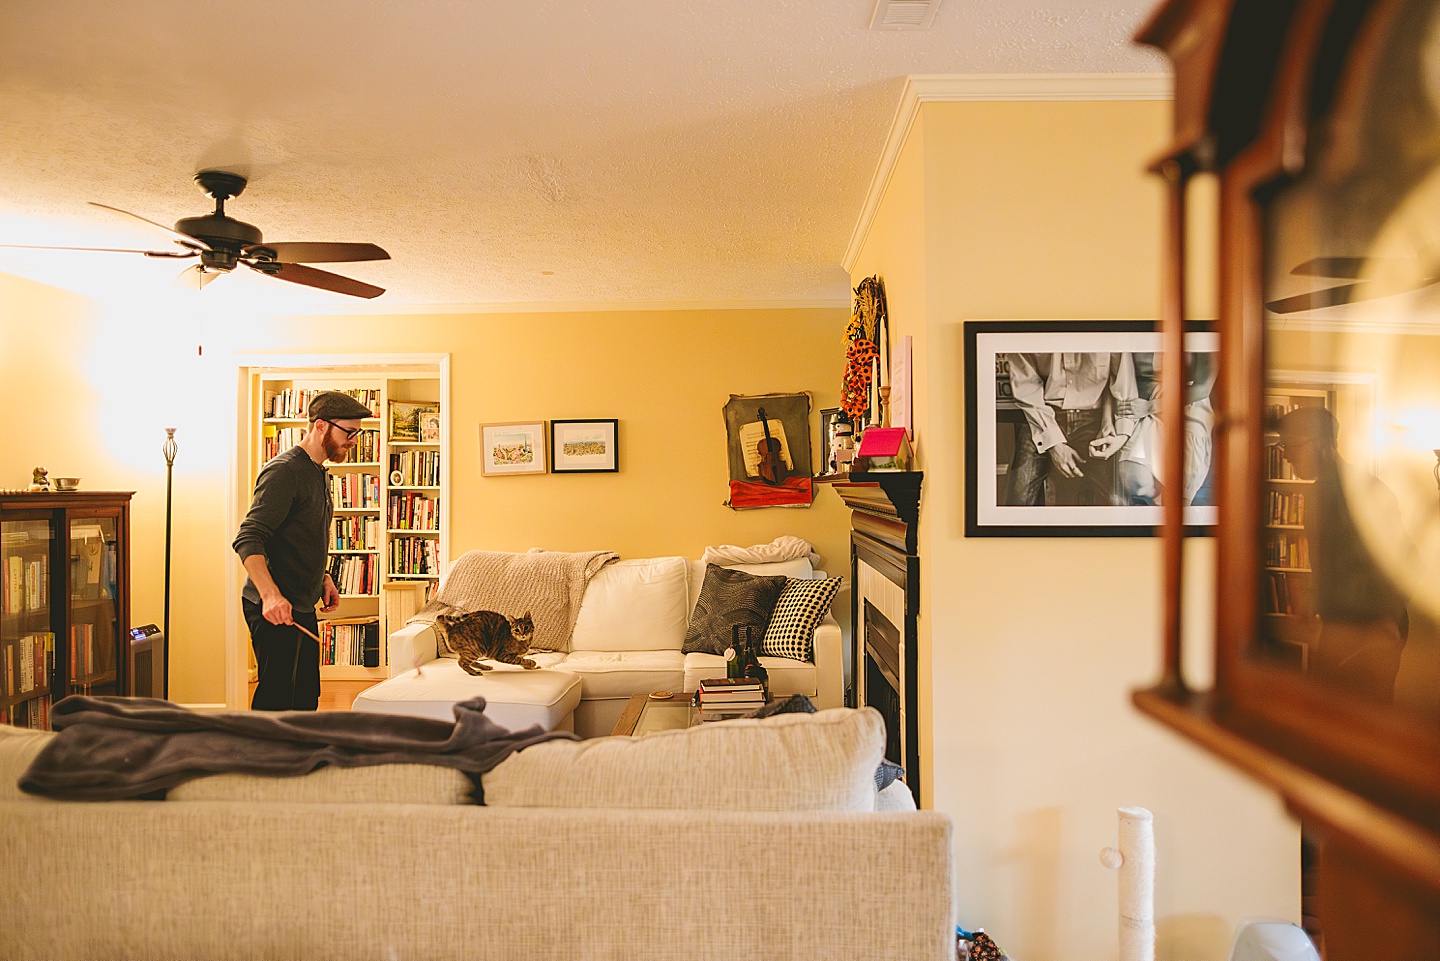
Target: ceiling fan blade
1329,297
109,250
1342,268
311,277
322,253
184,240
195,278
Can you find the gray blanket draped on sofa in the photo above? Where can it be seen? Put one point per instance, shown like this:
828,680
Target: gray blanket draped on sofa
112,748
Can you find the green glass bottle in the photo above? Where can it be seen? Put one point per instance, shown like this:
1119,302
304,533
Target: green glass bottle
734,663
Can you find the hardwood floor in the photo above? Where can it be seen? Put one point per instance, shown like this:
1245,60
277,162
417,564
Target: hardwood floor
335,695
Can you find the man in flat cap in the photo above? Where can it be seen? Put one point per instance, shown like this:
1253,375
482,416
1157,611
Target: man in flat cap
1364,622
284,544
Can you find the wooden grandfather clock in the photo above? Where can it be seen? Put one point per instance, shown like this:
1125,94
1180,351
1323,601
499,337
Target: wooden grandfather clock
1320,122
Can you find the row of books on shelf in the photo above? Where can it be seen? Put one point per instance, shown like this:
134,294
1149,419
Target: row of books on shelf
414,555
1285,508
1287,550
413,511
719,698
277,440
1276,466
1287,596
418,468
29,661
353,574
359,532
82,652
34,713
355,490
294,402
27,583
350,642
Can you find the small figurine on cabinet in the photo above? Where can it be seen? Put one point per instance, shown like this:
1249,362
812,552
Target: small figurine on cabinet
39,480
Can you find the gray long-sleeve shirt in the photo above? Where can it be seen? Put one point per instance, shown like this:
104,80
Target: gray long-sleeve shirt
289,523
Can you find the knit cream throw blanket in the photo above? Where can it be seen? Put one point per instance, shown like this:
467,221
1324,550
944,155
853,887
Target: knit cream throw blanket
547,584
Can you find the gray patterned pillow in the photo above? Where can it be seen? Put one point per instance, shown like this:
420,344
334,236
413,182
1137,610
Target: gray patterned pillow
728,598
800,609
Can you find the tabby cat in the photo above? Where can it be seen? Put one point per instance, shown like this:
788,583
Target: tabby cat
489,634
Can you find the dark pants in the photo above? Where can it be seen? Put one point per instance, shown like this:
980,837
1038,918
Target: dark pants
1030,469
288,662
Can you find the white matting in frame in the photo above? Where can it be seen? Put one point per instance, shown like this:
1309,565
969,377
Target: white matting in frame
994,419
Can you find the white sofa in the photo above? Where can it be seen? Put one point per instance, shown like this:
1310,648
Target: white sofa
628,638
743,839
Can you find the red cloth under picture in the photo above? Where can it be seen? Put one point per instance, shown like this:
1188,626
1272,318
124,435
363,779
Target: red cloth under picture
792,490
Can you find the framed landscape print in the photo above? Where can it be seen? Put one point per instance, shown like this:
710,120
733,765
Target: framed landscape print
584,446
1064,434
405,418
517,447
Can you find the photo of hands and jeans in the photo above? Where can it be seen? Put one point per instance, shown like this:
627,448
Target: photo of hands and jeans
1086,429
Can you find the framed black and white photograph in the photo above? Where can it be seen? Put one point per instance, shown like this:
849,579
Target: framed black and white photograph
1063,429
584,446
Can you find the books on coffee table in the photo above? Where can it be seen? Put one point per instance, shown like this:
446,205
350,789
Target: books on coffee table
725,697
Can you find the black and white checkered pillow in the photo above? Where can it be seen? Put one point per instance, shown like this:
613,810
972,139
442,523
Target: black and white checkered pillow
800,609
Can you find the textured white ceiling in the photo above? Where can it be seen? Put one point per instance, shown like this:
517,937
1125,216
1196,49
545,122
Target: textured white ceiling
548,151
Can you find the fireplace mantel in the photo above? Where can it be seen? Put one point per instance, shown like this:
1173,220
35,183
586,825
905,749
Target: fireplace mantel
885,601
888,502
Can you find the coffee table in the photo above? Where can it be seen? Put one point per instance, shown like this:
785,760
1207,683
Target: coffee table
646,715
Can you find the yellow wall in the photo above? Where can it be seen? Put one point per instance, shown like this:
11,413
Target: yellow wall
1029,647
665,375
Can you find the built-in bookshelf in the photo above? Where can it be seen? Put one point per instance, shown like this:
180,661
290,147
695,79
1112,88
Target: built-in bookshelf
64,600
1291,625
389,523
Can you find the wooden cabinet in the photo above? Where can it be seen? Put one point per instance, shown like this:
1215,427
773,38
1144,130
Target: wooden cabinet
388,535
1319,120
64,600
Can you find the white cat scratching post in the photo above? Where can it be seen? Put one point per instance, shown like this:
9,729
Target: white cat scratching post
1135,857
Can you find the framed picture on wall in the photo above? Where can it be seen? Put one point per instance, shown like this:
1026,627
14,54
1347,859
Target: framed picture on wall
1064,433
584,446
515,447
405,418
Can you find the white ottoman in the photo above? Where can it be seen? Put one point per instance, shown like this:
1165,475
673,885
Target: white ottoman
514,698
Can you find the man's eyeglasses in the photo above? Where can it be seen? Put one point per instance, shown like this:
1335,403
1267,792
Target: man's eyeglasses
348,432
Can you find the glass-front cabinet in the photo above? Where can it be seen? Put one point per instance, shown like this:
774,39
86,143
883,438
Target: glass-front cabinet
64,600
1319,121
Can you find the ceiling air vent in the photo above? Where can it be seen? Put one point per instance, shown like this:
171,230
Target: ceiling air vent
904,14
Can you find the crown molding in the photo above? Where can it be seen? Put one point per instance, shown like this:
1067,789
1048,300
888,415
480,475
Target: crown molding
993,87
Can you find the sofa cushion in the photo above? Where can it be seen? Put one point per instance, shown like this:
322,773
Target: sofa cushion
729,598
18,747
798,567
380,784
799,610
792,762
514,697
634,605
623,673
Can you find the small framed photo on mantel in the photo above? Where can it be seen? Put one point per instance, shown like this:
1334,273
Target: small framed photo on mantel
515,447
584,446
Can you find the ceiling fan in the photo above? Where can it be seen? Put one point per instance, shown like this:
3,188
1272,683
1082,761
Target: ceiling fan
222,242
1371,277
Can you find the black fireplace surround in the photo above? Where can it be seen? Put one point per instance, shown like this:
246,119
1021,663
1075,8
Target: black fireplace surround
885,594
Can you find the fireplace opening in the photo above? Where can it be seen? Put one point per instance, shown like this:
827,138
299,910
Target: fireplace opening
882,679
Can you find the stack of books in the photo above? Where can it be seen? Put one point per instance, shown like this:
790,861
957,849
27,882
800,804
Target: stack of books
727,697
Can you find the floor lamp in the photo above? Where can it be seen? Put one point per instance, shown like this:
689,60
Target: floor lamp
170,450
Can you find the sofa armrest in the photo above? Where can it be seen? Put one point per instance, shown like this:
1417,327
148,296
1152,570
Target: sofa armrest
829,664
412,645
